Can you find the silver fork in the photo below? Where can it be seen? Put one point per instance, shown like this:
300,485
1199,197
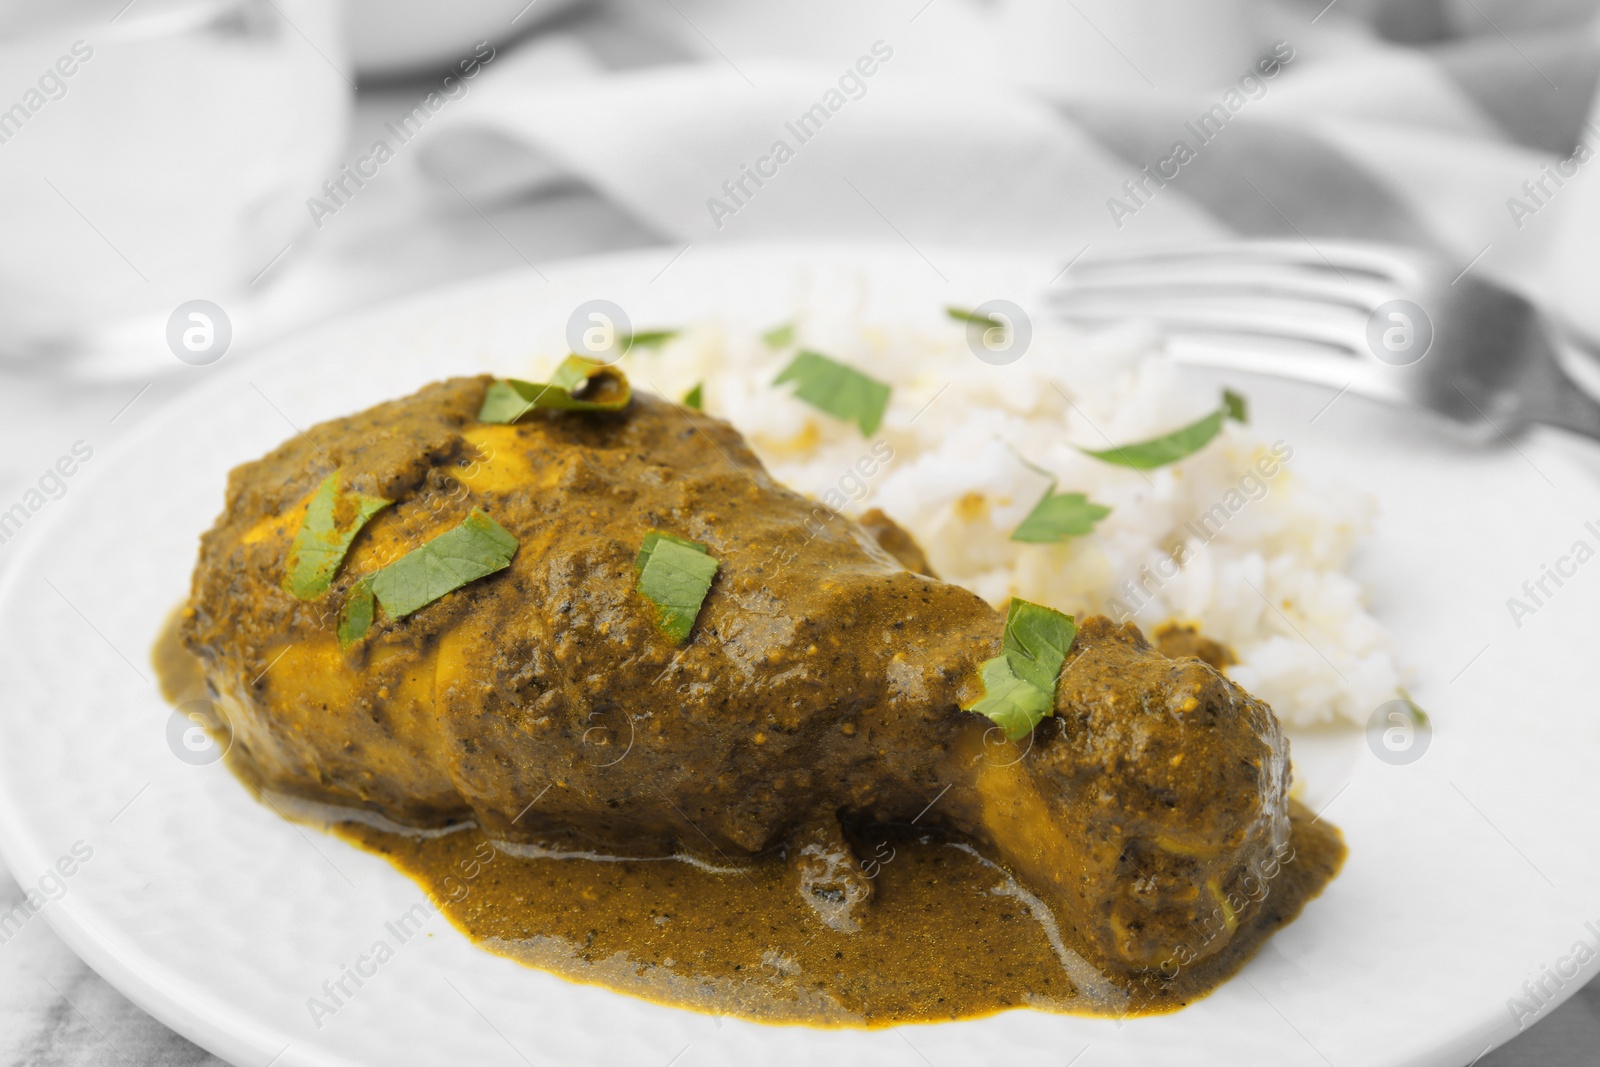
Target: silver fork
1395,324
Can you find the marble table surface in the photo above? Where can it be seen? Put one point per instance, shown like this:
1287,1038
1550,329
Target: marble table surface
53,1009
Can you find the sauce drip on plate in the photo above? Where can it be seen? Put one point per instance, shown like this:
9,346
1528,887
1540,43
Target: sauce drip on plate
950,935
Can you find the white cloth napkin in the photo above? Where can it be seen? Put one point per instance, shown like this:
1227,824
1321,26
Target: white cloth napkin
684,147
1341,134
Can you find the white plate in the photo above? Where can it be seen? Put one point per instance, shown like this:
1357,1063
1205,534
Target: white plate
1470,870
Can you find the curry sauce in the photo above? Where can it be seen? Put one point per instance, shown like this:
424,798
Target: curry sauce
780,807
951,934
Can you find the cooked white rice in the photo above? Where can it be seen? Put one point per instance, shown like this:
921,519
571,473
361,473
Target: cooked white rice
1232,538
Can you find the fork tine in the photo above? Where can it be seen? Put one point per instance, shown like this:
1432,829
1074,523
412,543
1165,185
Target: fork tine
1347,260
1326,326
1283,290
1221,285
1246,302
1268,356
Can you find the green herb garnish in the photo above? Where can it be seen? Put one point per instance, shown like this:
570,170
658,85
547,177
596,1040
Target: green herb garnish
475,548
840,391
1058,516
1160,451
1036,639
577,385
332,520
1020,684
695,398
779,336
1015,705
479,546
1418,716
675,575
355,617
648,339
961,315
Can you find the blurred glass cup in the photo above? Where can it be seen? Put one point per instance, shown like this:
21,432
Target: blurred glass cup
153,152
1128,47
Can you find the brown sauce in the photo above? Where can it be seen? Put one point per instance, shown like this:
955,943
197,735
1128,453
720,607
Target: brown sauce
949,936
178,673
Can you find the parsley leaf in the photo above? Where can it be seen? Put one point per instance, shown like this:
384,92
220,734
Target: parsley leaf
1020,684
1058,516
1179,444
779,336
648,339
655,537
695,398
1237,407
962,315
332,520
577,385
1418,716
675,575
1015,705
476,547
479,546
355,617
840,391
1036,639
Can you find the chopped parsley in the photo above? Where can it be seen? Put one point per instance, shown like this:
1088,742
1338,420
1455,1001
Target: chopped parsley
333,518
355,617
474,549
695,398
1418,716
1019,685
1059,516
648,339
838,390
675,575
1179,444
577,385
1015,705
779,336
962,315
